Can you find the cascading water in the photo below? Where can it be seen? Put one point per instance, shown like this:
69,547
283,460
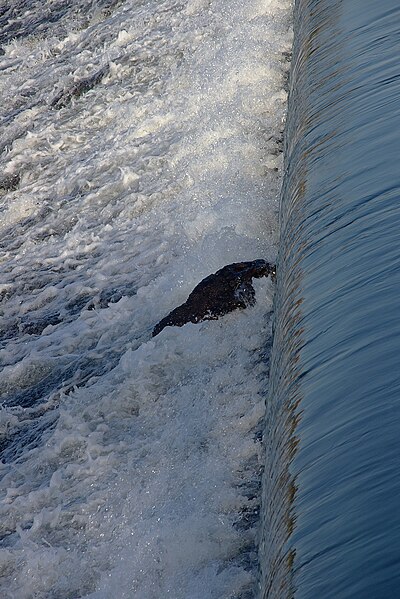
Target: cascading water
331,522
140,152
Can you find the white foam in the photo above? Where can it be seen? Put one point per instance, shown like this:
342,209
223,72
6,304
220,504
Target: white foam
128,197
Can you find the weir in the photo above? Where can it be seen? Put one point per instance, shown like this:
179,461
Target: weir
331,517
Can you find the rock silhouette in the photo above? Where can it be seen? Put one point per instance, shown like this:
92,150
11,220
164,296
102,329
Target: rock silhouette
222,292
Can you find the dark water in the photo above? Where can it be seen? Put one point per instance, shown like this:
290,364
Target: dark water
332,486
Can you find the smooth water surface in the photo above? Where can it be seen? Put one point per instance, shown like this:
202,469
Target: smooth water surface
332,485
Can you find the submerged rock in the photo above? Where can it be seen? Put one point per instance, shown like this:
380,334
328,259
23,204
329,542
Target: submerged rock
222,292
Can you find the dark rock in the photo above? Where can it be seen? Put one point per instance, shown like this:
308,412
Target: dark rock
222,292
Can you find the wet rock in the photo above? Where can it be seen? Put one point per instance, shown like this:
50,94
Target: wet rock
222,292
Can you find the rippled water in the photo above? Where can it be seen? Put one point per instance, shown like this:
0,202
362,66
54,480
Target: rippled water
331,507
141,150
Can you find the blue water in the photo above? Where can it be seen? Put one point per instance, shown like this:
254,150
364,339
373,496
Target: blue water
332,484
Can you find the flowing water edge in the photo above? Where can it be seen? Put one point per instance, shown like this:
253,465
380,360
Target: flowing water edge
331,518
141,150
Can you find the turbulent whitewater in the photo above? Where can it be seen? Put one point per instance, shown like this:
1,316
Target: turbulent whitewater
140,151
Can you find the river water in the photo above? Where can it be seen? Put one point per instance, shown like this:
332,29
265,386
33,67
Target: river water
141,150
331,517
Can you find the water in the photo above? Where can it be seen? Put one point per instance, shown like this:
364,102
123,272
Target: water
141,151
331,519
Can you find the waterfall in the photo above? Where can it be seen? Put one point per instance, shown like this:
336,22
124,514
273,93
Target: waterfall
331,521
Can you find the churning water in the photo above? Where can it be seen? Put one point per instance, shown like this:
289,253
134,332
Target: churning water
140,151
332,485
